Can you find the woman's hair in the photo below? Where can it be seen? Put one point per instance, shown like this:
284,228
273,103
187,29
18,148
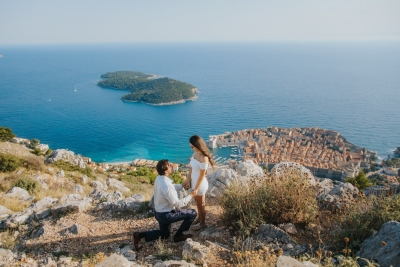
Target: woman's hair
162,166
199,143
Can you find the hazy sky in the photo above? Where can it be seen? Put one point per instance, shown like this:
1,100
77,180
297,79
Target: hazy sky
93,21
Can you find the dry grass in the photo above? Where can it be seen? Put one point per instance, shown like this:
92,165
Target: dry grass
14,204
283,200
7,240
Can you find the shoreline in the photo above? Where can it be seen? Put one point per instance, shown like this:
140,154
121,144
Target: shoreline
165,104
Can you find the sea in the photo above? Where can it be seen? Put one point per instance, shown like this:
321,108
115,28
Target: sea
49,92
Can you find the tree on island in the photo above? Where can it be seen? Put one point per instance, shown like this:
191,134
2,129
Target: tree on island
6,134
145,88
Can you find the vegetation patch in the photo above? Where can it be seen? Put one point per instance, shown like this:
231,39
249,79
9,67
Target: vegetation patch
272,201
9,163
29,184
361,181
66,166
365,218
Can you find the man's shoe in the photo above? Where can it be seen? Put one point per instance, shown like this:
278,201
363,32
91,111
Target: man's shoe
182,237
136,240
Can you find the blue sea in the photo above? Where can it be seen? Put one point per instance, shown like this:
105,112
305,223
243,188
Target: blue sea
49,92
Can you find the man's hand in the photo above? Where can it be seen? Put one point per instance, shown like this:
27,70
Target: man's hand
186,184
193,193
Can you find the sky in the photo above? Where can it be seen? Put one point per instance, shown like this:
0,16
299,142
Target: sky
132,21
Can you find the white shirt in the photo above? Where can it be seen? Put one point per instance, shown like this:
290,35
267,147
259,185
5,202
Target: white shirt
166,195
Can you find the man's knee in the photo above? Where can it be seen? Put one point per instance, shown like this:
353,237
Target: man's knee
193,213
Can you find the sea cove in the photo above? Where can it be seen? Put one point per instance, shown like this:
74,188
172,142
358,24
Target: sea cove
50,93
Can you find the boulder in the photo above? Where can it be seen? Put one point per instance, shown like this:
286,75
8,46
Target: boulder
99,196
385,254
60,174
117,185
336,197
18,192
18,218
7,257
98,185
72,206
74,229
248,169
4,211
41,180
116,260
284,261
289,228
288,170
181,263
84,179
128,253
40,231
194,251
66,155
130,204
70,197
78,189
218,182
270,234
41,209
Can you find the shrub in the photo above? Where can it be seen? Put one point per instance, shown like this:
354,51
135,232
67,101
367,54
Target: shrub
66,166
289,199
144,174
9,163
364,219
29,184
361,181
176,177
33,163
6,134
37,151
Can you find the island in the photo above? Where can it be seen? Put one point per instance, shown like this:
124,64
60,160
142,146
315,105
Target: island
149,88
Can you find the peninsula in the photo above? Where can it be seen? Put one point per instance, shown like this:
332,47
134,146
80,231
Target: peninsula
326,153
149,89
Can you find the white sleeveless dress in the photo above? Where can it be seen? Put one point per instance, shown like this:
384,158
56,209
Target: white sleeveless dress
196,167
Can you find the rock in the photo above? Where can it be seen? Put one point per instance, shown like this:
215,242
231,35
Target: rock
270,234
115,260
7,257
41,180
74,229
218,182
72,206
130,204
248,169
5,211
309,264
18,218
181,263
18,192
84,179
105,198
128,253
194,251
285,170
373,248
64,260
70,197
284,261
41,209
336,197
289,228
98,185
60,174
78,189
117,185
40,231
65,155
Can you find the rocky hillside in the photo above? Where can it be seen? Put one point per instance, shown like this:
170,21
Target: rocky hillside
52,215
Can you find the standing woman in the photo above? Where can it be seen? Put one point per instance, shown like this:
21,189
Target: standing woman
197,180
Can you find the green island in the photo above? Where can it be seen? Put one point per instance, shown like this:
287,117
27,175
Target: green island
148,88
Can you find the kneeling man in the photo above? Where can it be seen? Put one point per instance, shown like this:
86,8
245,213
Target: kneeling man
166,208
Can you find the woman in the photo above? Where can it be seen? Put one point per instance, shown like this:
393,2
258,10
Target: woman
197,180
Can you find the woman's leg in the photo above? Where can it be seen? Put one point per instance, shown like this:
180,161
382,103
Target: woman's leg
201,209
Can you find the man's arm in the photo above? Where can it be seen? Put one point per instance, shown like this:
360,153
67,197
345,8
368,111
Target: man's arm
171,196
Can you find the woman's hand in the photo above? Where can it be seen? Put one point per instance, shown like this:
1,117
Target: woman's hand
193,194
195,191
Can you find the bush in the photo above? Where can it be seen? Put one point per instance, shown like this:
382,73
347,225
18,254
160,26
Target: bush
9,163
33,163
29,184
361,181
143,173
66,166
273,201
6,134
364,219
37,151
176,177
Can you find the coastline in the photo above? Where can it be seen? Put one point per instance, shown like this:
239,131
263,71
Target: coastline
165,104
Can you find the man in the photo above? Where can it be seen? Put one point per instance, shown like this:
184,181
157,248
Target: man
166,208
